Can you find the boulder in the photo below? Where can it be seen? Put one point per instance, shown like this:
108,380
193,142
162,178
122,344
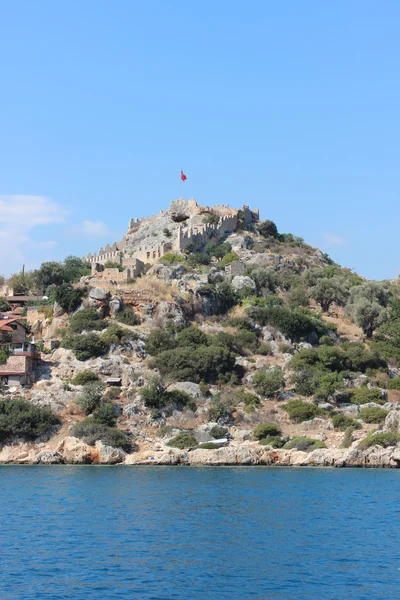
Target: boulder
193,389
241,282
99,294
107,455
58,311
75,451
47,457
115,305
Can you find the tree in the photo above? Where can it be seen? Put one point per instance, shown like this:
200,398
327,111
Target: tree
330,290
367,314
4,306
68,297
268,229
20,282
49,273
268,383
75,268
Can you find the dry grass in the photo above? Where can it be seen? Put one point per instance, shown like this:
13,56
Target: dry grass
160,289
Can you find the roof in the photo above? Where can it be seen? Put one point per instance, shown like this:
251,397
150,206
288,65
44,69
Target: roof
6,321
113,380
23,298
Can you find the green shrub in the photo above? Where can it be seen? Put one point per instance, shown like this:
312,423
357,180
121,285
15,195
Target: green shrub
250,401
198,258
342,422
265,349
182,441
127,316
87,319
5,354
373,414
68,297
209,446
90,398
268,383
205,363
380,439
211,219
86,346
19,418
268,229
228,259
295,323
274,441
365,395
160,340
192,336
91,431
114,334
300,411
171,257
84,377
347,438
394,384
105,415
264,430
156,395
4,306
112,394
113,265
218,432
304,444
219,410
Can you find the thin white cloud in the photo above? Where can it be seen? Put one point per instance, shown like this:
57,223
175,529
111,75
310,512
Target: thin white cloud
91,229
331,239
19,215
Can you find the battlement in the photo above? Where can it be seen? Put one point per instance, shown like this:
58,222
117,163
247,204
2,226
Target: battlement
146,240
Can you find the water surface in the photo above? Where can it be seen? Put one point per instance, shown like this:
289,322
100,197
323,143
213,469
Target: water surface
199,533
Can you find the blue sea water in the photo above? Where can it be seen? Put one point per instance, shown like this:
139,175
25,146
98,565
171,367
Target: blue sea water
199,533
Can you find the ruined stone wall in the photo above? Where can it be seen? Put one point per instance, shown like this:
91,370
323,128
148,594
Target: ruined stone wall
198,236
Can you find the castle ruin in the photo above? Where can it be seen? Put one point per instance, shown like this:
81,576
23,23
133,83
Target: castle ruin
184,223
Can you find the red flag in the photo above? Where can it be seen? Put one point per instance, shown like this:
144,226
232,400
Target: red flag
183,176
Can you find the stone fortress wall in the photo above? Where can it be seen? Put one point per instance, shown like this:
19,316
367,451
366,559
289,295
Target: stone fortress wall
189,231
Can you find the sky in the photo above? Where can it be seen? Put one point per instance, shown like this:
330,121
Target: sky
289,107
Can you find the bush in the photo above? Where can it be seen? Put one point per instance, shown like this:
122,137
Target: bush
84,377
68,297
209,446
112,394
207,363
228,259
91,431
105,414
192,336
86,346
218,432
90,398
264,430
171,257
380,439
274,441
156,395
250,401
182,441
373,414
347,438
219,410
19,418
304,444
160,340
342,422
365,395
87,319
4,306
394,384
114,334
300,411
268,229
127,316
198,258
268,383
295,323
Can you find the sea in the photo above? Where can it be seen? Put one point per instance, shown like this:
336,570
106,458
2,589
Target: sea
163,533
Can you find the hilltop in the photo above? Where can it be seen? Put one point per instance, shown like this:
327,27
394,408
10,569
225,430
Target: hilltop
205,336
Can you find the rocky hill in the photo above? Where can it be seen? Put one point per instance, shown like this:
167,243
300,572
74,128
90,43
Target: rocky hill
225,342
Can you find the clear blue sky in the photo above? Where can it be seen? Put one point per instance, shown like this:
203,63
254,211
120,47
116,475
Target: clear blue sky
292,107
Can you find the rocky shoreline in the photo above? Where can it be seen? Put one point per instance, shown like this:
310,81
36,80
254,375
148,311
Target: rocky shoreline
72,451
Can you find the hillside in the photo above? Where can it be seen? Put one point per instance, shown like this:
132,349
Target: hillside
204,336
